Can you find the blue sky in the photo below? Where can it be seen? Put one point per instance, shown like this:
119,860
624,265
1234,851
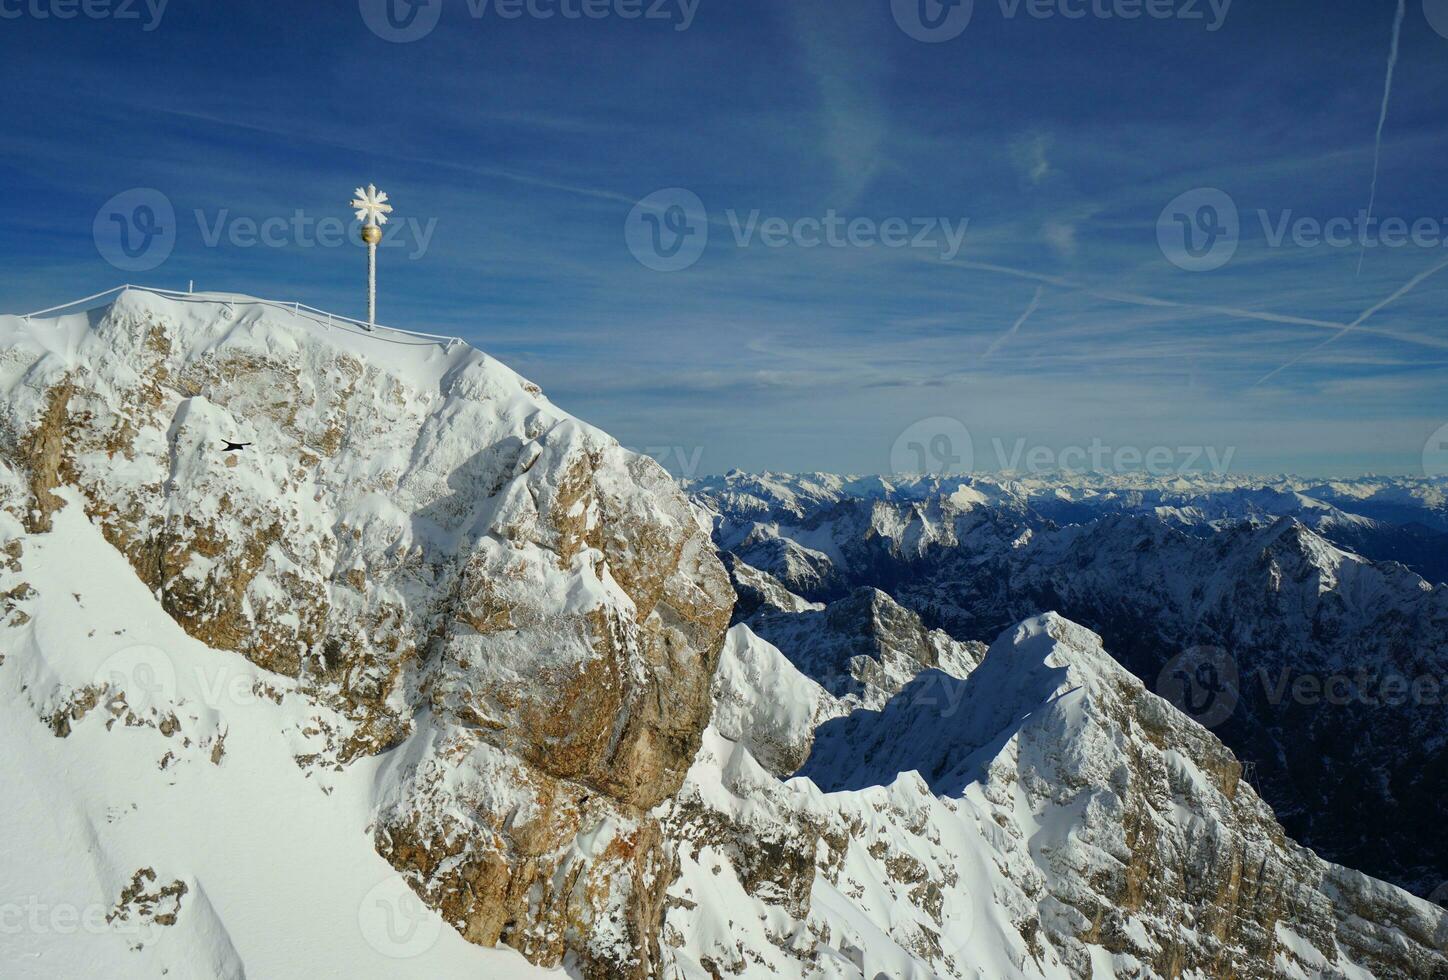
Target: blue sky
519,148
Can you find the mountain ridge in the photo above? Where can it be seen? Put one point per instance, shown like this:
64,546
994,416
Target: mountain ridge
1270,599
438,668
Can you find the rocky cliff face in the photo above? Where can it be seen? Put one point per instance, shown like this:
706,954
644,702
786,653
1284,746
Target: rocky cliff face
863,648
1043,816
523,616
271,590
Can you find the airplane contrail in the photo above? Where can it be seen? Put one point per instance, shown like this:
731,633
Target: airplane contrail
1138,299
1339,329
1348,328
1035,302
1382,119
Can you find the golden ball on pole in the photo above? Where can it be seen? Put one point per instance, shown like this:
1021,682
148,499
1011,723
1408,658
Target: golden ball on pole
372,210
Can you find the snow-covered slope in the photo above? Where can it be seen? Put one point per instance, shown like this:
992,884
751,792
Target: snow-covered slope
764,703
1045,816
428,679
510,618
183,765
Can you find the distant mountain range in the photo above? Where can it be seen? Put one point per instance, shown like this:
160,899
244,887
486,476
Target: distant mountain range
1305,623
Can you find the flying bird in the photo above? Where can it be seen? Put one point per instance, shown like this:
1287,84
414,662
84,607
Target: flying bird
232,447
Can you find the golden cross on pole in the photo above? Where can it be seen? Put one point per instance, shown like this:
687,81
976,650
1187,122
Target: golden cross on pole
372,210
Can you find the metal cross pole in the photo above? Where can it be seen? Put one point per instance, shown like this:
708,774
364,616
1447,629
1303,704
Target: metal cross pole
372,210
370,235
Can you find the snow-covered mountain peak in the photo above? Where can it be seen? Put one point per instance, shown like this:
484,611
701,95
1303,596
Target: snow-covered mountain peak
1043,667
519,615
1287,596
359,620
1043,816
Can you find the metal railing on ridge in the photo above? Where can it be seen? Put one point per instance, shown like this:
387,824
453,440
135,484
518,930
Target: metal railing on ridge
232,300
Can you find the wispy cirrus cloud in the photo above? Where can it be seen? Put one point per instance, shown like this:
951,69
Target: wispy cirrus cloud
845,67
1029,155
531,141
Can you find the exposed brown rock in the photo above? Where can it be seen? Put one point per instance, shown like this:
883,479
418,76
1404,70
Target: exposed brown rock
43,454
590,711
